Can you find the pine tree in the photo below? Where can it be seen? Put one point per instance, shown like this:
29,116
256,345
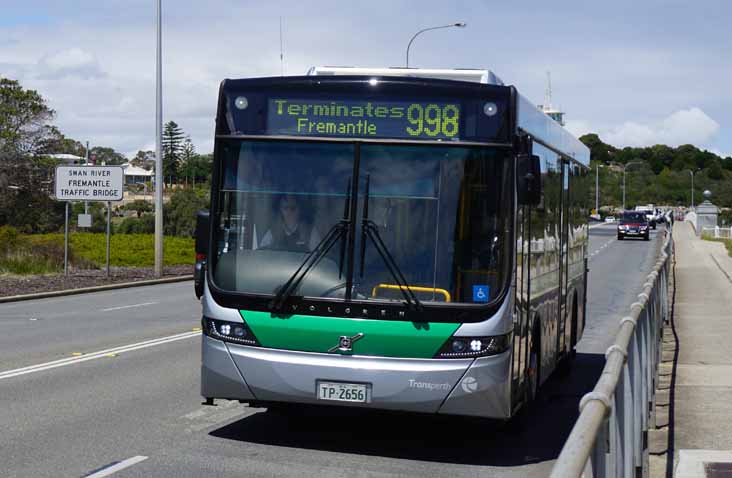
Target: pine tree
172,149
188,153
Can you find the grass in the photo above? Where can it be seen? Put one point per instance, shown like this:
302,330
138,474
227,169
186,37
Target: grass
727,242
44,253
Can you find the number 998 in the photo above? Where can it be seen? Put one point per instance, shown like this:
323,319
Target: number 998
433,120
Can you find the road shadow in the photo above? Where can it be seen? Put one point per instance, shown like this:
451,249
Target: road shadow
535,435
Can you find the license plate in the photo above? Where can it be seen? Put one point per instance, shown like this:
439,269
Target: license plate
344,392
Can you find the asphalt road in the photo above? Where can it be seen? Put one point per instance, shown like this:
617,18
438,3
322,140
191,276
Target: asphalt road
139,410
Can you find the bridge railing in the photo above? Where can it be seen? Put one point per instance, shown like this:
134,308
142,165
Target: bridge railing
717,232
610,437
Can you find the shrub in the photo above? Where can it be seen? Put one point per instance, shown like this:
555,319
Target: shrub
180,213
133,225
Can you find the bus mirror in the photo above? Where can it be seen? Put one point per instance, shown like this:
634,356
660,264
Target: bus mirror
529,179
202,232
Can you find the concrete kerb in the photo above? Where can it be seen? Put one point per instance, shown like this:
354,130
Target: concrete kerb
100,288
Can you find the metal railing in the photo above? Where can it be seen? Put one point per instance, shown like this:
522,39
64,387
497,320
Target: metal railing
717,232
610,437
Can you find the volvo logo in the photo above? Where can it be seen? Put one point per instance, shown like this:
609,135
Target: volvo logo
345,343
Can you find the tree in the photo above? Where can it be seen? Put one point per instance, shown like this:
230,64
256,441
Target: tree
180,213
139,206
143,159
599,151
107,156
188,153
172,149
24,115
55,142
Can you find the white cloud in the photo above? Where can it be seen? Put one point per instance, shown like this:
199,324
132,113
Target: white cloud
687,126
73,62
578,127
691,126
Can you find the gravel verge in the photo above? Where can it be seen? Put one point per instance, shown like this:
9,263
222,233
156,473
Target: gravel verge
11,285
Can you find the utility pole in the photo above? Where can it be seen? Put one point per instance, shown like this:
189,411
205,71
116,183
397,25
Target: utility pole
597,188
159,147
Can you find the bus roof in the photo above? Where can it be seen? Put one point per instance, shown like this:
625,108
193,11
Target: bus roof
458,74
531,119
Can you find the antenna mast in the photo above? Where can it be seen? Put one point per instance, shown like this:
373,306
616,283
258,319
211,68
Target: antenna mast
282,56
548,97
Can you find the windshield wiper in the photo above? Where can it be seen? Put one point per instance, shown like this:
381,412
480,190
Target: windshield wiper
371,230
338,231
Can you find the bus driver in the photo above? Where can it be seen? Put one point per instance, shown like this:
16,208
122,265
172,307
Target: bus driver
290,232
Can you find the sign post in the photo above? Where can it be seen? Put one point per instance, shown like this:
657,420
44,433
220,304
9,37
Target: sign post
66,239
109,216
88,183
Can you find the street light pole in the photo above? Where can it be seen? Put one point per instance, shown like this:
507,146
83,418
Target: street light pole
458,24
624,167
158,147
692,172
597,188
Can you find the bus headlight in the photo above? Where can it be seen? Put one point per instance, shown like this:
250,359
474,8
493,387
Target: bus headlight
234,332
470,347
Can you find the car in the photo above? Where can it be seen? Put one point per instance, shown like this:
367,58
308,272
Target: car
650,214
609,218
634,224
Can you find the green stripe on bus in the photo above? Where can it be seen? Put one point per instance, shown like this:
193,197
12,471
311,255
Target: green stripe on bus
382,338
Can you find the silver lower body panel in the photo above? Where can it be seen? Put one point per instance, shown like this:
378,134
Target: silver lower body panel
476,387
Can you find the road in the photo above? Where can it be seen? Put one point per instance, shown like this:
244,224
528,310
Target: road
139,411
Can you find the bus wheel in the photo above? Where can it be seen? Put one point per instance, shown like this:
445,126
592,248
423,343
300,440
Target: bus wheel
534,366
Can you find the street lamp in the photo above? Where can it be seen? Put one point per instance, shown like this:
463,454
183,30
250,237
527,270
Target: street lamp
158,144
458,24
692,172
624,167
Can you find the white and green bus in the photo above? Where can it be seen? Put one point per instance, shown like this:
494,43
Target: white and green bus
396,239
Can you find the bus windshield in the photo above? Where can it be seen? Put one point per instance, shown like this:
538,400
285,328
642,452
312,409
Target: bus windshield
441,213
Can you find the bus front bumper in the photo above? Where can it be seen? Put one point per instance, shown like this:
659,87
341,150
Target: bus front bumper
476,387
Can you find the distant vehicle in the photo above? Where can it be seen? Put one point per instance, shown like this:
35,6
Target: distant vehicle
650,213
634,224
610,219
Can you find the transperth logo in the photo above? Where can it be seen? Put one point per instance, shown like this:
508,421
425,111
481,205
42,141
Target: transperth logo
469,385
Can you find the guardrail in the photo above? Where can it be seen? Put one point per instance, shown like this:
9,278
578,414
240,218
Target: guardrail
610,437
718,232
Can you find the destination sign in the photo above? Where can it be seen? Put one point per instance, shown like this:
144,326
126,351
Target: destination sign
364,119
89,183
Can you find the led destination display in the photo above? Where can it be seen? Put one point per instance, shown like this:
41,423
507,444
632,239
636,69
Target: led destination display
367,119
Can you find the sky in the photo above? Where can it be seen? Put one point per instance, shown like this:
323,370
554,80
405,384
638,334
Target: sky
636,73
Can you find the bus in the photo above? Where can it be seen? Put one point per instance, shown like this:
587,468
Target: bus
394,239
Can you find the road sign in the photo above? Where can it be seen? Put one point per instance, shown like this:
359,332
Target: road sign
89,183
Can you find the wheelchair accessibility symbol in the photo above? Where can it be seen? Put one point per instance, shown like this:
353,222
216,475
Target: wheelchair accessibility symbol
481,293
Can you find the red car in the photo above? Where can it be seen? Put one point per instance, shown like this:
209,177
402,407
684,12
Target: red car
634,224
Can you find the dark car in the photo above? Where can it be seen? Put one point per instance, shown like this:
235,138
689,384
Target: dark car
634,224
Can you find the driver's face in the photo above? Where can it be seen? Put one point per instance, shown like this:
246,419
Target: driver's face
290,210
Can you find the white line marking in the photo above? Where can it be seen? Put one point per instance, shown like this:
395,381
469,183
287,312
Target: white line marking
117,467
128,306
96,355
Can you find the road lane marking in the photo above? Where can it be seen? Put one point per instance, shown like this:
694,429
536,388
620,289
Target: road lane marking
128,306
115,467
96,355
601,248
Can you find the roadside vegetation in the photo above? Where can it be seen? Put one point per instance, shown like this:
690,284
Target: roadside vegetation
727,242
658,174
44,253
